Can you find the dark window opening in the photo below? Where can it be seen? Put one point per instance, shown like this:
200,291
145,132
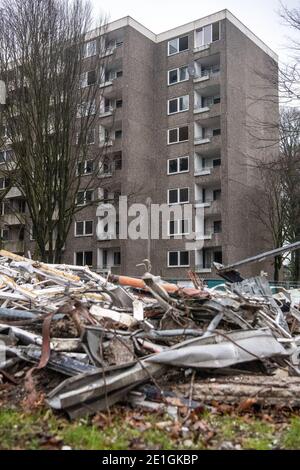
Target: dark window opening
218,258
183,133
173,166
216,31
117,258
217,194
217,226
183,43
173,258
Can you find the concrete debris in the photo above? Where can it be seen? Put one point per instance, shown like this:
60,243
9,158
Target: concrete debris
105,338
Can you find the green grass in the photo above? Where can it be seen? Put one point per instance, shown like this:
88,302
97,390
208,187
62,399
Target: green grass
130,429
291,438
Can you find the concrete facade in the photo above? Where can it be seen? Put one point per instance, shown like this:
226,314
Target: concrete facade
225,94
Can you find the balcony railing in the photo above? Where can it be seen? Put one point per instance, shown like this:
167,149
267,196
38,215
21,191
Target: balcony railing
15,246
14,219
106,236
200,268
206,75
201,140
202,171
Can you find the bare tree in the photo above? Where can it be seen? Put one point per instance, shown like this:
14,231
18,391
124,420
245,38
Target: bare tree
52,103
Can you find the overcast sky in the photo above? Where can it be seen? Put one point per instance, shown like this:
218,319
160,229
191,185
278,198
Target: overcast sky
160,15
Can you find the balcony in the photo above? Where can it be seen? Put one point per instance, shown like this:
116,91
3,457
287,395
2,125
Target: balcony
204,47
211,207
206,76
208,176
199,268
104,236
214,208
211,144
14,219
214,240
107,111
14,246
207,111
13,192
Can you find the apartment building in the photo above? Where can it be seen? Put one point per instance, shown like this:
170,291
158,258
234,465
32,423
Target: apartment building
175,114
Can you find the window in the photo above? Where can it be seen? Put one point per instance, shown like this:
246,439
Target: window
89,49
117,258
178,259
179,134
21,206
216,162
84,228
178,45
178,75
178,105
119,103
217,194
4,208
217,226
104,135
118,134
178,196
88,78
85,167
118,161
178,165
178,227
5,156
84,197
4,234
4,183
89,137
218,258
106,167
87,108
216,132
208,34
215,31
84,258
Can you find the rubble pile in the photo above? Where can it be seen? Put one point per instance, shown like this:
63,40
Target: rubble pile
106,338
